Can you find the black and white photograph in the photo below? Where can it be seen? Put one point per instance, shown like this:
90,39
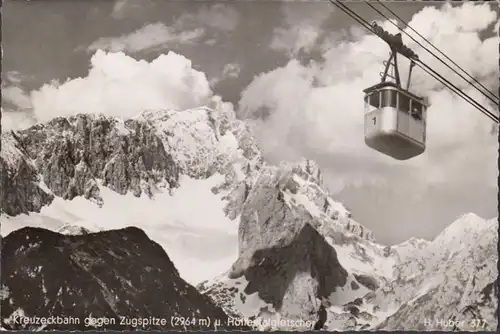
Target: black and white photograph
265,165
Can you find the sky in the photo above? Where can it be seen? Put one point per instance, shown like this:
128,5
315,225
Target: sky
294,70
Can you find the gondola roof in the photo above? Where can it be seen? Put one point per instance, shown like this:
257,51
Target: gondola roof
382,85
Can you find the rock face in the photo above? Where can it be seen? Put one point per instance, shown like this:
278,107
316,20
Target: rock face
117,274
71,153
79,155
288,276
374,286
279,248
74,156
286,267
451,283
300,251
20,188
446,284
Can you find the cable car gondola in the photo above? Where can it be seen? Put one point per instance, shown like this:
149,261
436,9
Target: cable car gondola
395,119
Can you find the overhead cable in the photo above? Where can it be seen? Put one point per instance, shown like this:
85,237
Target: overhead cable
421,64
442,53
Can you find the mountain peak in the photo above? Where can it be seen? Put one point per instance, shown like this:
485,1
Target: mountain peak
298,250
467,224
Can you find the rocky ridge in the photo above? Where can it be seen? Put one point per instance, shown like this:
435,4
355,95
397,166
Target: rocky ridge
284,213
78,155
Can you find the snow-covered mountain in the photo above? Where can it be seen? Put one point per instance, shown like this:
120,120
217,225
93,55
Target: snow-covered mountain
104,173
267,243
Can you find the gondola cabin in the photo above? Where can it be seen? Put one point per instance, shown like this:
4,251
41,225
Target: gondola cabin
395,121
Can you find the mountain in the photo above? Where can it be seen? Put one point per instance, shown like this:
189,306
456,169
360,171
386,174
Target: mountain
286,259
456,280
447,284
19,180
101,172
267,244
106,280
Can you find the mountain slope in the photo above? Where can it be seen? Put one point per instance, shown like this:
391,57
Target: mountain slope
384,285
457,280
102,173
285,211
269,242
22,191
117,274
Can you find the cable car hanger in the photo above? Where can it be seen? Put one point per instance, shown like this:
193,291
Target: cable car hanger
491,96
426,68
396,45
404,52
395,119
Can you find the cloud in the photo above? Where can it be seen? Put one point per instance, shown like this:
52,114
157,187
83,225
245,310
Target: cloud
453,31
149,36
124,8
211,41
293,40
16,102
316,110
187,29
301,28
14,77
231,70
218,16
16,120
121,7
16,96
118,85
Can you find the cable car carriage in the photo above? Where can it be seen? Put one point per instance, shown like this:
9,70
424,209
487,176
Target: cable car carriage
395,119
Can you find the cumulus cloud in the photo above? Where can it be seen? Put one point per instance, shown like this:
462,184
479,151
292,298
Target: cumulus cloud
118,85
16,102
301,28
454,31
316,110
16,120
14,77
16,96
149,36
293,40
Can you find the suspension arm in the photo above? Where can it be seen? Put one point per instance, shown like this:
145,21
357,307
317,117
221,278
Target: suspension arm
395,42
412,64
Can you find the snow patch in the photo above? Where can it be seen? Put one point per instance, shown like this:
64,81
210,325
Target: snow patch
302,200
350,259
190,224
346,293
121,128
